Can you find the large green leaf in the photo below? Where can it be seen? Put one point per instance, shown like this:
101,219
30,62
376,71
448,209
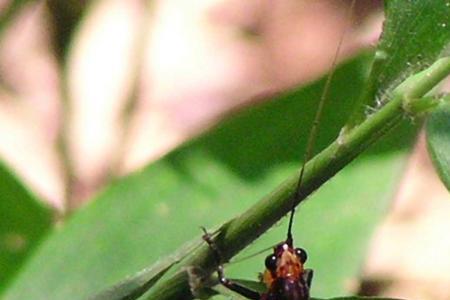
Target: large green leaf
23,223
415,34
438,138
150,213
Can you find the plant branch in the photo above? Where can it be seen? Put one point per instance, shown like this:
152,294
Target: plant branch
239,232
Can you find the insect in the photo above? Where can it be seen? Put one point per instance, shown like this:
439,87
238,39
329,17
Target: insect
285,277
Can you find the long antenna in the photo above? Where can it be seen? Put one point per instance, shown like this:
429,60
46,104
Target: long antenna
315,126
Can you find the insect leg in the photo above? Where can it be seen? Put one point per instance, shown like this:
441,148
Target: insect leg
308,276
235,287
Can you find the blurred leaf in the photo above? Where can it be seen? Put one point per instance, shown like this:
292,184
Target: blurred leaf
23,223
438,138
415,34
136,285
150,213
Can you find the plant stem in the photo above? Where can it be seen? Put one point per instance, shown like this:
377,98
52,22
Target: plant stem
239,232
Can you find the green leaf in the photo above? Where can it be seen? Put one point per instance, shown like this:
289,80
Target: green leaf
24,222
415,35
147,215
135,286
438,140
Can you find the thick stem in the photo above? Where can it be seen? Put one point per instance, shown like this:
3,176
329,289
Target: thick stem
242,230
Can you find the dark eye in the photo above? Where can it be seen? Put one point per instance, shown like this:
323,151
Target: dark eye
301,254
271,262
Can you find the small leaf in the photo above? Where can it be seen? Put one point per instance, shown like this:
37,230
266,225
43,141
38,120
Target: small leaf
438,140
23,223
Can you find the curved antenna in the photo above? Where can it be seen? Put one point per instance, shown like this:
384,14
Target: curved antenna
315,126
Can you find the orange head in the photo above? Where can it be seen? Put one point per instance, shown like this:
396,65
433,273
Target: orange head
285,262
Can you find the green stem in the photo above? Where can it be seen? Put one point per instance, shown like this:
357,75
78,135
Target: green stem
239,232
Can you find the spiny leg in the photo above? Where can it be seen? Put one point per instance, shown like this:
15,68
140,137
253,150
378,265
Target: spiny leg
235,287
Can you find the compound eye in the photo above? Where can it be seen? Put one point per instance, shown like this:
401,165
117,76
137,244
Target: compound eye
301,254
271,262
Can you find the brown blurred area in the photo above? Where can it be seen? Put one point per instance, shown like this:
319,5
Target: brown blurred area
408,256
133,79
138,78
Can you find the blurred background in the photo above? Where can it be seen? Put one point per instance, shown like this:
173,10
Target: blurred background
93,90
